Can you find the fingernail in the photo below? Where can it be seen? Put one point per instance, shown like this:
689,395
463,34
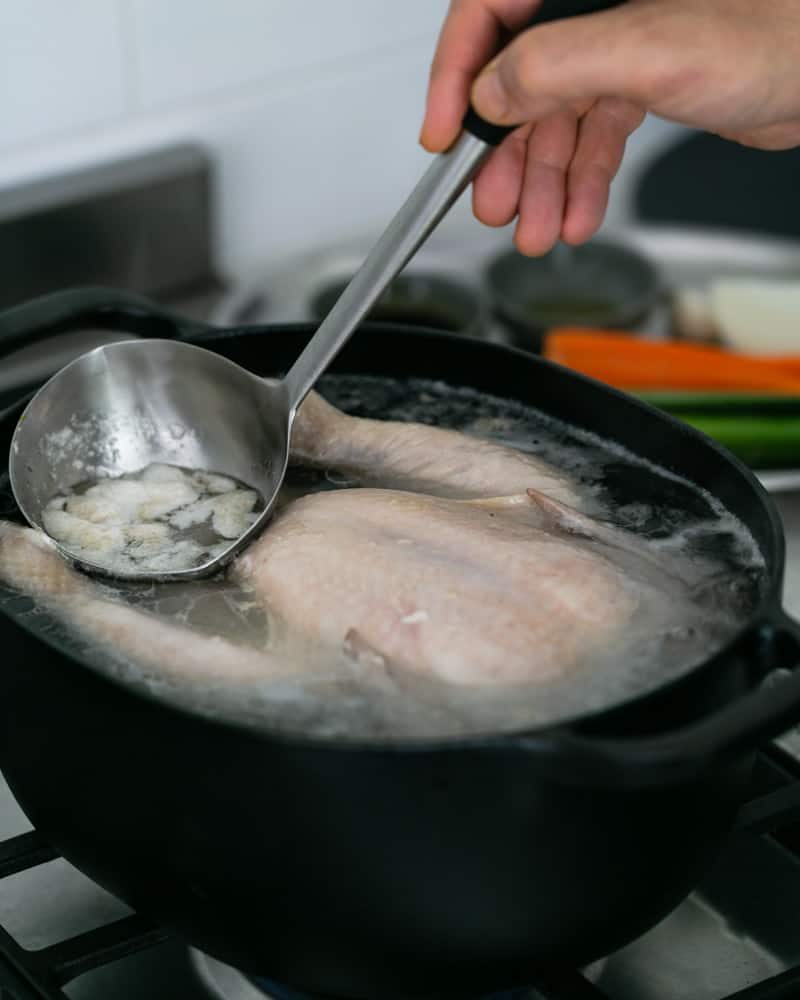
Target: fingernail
489,95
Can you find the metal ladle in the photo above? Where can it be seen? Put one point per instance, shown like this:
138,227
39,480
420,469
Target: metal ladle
121,407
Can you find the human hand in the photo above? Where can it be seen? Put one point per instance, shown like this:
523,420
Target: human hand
583,85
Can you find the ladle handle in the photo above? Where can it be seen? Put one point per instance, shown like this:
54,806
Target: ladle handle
430,200
549,10
428,203
77,308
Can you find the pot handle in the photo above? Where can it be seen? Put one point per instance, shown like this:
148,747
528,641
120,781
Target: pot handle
549,10
74,308
692,750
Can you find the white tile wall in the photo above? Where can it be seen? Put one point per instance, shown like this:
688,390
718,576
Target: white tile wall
310,110
61,67
187,49
330,161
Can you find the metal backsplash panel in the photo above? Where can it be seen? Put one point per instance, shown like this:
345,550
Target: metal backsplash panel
143,224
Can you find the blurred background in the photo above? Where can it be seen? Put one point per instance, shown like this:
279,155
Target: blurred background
310,112
237,160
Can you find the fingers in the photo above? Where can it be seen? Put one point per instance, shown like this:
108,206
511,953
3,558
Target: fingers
602,135
543,196
467,41
469,38
497,188
720,66
565,63
555,176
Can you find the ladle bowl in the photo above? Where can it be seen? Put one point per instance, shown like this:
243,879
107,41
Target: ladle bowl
121,407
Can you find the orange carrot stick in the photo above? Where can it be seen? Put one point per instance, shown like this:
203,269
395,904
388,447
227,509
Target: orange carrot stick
628,362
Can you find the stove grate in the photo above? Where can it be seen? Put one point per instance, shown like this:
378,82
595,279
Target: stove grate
40,974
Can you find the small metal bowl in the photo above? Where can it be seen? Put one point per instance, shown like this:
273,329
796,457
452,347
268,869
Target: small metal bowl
426,300
598,284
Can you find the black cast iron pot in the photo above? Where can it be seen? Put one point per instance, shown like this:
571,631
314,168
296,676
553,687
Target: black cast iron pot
411,870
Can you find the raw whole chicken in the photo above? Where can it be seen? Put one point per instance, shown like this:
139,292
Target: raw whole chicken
461,586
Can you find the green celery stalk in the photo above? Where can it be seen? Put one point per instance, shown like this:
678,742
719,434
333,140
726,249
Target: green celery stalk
763,442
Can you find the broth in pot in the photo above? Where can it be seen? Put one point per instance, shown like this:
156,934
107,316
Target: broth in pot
414,584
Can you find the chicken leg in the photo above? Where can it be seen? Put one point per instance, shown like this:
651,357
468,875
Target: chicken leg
417,457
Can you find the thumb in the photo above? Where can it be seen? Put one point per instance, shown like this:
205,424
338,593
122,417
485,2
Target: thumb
569,62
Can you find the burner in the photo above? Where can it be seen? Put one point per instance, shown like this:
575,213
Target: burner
275,992
226,983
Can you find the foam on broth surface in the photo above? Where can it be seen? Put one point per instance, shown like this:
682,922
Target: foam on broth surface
684,527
